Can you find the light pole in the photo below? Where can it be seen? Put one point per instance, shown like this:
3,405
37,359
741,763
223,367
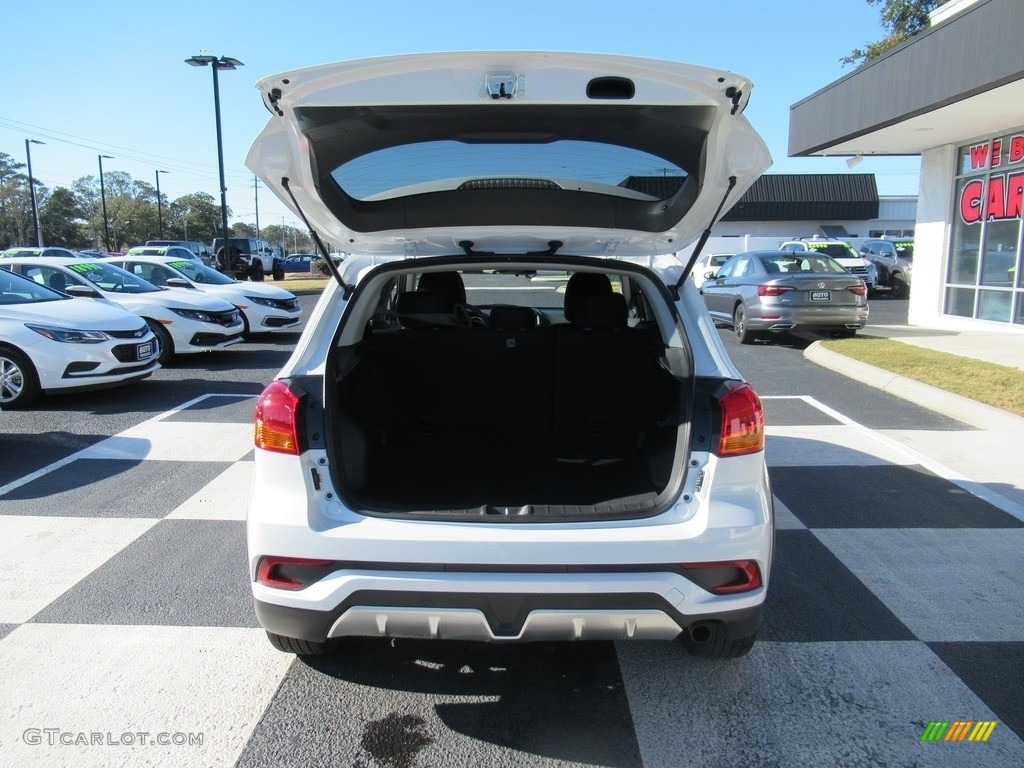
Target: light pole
224,62
32,191
159,206
256,192
103,199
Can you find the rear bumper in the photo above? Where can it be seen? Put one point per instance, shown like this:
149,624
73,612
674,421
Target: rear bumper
503,617
387,576
773,319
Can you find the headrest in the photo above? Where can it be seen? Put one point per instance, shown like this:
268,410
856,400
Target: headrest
608,311
580,286
511,317
446,284
421,303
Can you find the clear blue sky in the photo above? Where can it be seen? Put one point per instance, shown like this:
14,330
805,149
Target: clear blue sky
110,78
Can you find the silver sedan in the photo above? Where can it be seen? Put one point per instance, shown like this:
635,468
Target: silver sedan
771,292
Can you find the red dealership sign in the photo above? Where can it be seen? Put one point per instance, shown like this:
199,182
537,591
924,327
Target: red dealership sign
1003,196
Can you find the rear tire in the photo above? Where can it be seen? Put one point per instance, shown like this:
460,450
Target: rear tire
19,384
718,645
739,325
298,647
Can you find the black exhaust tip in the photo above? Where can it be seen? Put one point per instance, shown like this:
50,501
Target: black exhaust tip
700,633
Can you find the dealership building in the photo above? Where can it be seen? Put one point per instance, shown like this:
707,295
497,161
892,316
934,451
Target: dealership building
953,94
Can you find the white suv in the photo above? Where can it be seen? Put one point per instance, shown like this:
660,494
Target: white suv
842,252
509,416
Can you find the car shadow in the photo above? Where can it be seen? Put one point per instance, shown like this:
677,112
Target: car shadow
528,696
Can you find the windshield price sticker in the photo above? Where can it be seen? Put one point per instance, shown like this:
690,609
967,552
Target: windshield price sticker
81,268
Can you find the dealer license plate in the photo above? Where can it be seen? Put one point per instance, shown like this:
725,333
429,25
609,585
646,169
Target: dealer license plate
821,295
144,351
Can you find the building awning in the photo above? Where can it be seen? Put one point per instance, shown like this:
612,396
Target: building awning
808,197
959,79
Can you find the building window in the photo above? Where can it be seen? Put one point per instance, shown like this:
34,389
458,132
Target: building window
986,243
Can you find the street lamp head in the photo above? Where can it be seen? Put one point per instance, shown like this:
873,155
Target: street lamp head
35,141
106,157
224,62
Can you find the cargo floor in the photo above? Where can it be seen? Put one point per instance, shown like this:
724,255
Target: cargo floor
466,478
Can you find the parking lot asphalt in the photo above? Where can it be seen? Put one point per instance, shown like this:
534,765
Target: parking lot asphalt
990,455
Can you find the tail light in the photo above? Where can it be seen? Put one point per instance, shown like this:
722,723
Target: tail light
773,290
276,419
728,577
858,290
742,428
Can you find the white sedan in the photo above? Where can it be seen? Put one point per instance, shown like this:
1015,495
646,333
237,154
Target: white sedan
51,343
264,307
184,322
706,265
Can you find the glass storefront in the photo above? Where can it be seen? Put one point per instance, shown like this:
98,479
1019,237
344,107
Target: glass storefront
983,277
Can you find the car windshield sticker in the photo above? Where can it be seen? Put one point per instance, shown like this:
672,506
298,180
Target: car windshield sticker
178,264
82,268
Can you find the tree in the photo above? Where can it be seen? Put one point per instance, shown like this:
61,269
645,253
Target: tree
291,239
63,220
241,229
16,203
901,19
193,217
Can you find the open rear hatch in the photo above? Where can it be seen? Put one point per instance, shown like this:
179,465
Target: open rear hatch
504,161
412,155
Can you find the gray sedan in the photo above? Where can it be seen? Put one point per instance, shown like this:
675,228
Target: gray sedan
777,291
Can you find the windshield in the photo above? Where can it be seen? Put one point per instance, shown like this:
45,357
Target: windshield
198,272
904,250
578,165
835,250
15,289
112,279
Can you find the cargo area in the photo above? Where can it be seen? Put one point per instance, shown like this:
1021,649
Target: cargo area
514,417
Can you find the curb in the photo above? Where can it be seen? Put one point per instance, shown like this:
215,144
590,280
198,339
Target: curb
939,400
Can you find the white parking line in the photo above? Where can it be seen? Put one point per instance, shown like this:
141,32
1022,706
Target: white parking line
914,456
98,449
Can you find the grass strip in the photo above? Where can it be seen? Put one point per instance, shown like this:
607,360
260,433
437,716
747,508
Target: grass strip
997,385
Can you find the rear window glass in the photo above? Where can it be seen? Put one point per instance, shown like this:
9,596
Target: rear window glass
446,165
795,262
